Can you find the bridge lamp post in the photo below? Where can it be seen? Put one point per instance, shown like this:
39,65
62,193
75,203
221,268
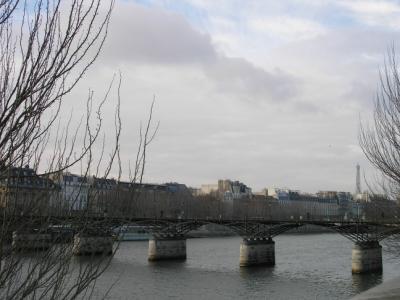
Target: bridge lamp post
269,210
187,207
154,205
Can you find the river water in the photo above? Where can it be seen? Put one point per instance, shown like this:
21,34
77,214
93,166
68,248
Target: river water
308,266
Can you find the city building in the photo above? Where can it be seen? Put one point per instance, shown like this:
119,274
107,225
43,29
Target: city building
281,194
102,194
227,190
22,191
362,197
206,189
175,187
74,191
305,205
233,190
343,199
368,206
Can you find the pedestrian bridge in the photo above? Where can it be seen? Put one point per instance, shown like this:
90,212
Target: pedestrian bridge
94,234
258,246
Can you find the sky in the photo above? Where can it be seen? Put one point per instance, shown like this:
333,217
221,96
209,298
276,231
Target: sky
270,93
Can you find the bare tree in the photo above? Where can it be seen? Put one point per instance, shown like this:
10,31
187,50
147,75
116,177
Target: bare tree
381,141
44,53
45,49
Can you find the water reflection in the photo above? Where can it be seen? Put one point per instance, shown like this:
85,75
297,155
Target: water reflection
173,265
362,282
256,272
307,267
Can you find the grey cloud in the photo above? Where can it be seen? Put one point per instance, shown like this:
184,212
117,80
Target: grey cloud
343,46
362,92
141,34
346,63
306,107
248,82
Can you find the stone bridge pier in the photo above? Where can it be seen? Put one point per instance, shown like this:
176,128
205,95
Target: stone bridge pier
167,248
258,246
31,241
366,257
86,244
169,239
257,251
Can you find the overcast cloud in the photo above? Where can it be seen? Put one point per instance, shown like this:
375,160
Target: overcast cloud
266,92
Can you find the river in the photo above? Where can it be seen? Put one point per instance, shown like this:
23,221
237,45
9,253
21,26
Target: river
308,266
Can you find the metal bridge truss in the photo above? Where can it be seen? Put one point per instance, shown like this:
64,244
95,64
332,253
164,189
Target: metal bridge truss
167,229
255,230
356,232
359,232
172,228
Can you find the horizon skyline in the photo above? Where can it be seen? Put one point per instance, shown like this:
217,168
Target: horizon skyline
198,185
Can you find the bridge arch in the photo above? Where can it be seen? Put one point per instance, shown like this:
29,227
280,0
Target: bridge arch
354,231
258,247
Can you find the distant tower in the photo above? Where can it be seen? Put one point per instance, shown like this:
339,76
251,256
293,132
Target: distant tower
358,182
